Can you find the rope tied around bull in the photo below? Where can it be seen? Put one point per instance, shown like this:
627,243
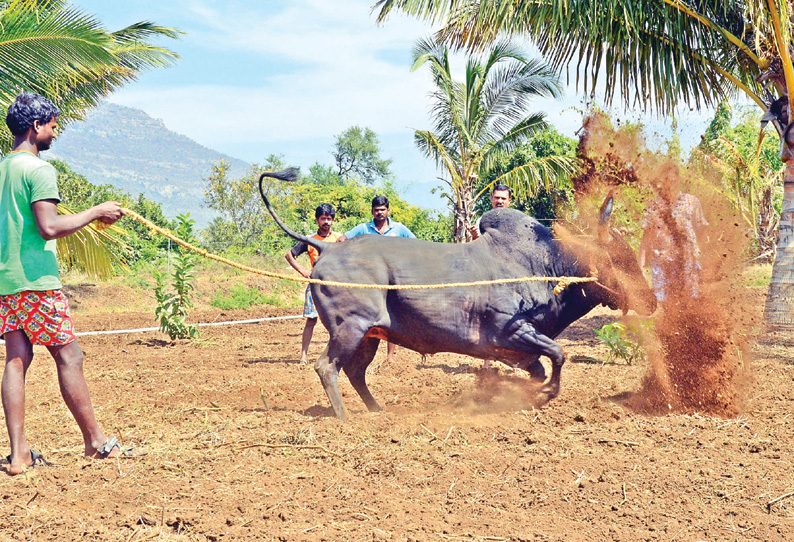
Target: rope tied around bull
562,282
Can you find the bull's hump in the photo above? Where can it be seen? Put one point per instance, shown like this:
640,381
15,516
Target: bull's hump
512,223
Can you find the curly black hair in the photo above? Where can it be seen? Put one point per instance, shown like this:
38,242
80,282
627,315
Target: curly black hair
28,108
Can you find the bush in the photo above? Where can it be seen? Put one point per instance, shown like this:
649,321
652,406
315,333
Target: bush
622,342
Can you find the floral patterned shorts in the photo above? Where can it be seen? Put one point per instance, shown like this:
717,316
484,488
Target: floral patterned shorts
43,316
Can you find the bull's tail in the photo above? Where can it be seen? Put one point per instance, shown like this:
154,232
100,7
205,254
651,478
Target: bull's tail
291,175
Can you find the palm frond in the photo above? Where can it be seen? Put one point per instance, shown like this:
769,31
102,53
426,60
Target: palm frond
431,10
525,180
509,93
518,133
60,52
434,149
99,253
651,52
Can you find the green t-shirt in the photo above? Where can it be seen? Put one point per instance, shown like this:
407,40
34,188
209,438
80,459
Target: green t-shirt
27,261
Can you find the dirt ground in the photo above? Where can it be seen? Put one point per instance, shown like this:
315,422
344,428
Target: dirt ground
242,445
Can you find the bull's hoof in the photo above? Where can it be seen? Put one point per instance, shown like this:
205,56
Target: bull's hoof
549,392
374,407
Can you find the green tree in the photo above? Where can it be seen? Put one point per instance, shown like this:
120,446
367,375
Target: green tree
172,305
58,51
238,201
752,172
324,175
244,220
479,121
552,194
357,155
78,194
656,53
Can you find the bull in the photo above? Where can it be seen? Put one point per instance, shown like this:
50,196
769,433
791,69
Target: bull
513,323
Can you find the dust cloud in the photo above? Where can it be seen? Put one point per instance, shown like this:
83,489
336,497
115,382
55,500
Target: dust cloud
698,343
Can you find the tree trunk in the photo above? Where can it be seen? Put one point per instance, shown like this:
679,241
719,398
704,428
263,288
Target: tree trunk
779,310
767,222
464,216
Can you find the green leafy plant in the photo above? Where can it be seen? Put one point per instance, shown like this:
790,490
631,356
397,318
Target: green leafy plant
239,297
622,342
172,305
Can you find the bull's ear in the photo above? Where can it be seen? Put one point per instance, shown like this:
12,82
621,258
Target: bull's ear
606,210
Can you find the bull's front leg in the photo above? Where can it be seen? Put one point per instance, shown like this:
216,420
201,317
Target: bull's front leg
327,368
525,338
534,367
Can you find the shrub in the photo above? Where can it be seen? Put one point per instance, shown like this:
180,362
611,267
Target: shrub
622,342
172,306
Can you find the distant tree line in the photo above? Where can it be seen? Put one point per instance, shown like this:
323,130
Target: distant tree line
358,174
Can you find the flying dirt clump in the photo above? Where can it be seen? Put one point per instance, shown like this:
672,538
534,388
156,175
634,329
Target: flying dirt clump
698,345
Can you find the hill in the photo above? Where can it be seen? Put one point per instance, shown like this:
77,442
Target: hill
127,148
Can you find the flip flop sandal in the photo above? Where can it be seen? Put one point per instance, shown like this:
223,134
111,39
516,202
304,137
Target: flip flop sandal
37,460
106,449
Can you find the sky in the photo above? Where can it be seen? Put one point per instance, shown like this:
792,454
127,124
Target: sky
287,77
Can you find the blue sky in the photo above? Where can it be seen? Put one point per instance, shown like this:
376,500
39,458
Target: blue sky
278,77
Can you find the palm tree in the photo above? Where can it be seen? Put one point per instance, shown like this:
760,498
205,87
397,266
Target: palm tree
485,117
752,173
53,49
657,54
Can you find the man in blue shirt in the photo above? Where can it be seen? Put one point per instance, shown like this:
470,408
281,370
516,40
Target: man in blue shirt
382,225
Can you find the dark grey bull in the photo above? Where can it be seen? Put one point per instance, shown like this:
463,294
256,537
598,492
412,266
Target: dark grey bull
514,323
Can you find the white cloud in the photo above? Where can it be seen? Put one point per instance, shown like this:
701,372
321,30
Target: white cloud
328,66
321,67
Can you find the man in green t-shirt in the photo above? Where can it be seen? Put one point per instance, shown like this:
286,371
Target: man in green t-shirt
33,310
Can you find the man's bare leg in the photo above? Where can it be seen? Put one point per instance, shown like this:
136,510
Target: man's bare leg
19,355
74,389
390,348
306,340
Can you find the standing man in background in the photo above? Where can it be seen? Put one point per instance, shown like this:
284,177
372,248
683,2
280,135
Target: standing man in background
324,216
33,310
500,198
381,225
673,227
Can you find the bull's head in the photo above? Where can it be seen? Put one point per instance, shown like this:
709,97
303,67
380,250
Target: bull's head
619,273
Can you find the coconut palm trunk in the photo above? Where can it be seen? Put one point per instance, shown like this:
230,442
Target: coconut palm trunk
464,215
779,310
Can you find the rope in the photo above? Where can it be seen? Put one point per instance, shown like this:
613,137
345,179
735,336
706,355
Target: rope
202,324
562,282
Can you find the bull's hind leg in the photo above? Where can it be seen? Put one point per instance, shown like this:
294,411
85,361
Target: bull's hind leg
327,368
356,370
